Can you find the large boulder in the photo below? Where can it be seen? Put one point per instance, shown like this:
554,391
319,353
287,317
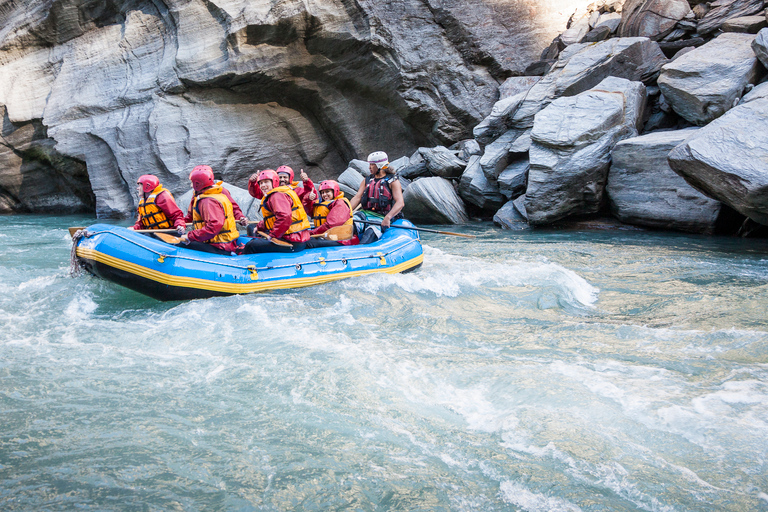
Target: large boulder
653,19
707,81
727,159
496,156
759,91
722,10
582,66
760,44
507,217
441,161
474,188
139,87
499,120
433,201
571,148
643,189
351,179
513,179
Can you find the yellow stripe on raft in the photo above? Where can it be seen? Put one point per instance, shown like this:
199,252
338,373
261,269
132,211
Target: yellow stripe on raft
217,286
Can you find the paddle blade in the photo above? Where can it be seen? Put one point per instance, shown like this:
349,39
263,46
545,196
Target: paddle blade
169,239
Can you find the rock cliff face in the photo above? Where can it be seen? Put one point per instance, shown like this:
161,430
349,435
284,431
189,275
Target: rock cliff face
115,89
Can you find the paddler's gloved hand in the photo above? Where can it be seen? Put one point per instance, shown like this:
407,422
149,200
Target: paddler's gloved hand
243,221
184,240
181,230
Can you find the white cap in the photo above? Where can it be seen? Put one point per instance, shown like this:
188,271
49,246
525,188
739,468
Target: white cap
379,158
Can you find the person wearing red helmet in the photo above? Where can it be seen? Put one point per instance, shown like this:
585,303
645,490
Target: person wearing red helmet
212,215
332,215
305,190
157,208
283,215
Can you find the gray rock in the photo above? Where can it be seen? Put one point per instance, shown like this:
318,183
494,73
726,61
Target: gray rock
540,67
576,32
760,44
348,192
706,82
758,92
582,66
519,205
509,218
571,143
467,148
433,201
643,190
516,84
443,162
513,179
474,188
651,18
496,155
597,34
415,170
499,120
745,24
610,20
399,164
361,166
723,10
350,178
726,159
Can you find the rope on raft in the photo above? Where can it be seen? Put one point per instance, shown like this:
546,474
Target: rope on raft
75,265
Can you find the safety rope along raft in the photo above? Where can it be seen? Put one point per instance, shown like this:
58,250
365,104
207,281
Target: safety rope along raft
75,266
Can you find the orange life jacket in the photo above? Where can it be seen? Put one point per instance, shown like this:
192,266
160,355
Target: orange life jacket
299,219
321,209
151,216
229,230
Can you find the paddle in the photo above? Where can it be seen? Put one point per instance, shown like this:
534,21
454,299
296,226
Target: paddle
416,229
274,240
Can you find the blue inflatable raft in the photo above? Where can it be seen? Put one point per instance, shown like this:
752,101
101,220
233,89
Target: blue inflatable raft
170,272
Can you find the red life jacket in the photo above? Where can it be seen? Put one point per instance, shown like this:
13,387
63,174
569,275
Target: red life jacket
378,194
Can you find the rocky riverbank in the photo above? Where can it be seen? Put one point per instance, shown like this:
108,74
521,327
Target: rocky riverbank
653,112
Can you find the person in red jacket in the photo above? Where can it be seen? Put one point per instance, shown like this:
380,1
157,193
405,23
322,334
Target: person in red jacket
305,190
283,215
157,208
212,215
332,215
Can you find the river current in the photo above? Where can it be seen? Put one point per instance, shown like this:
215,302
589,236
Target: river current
536,371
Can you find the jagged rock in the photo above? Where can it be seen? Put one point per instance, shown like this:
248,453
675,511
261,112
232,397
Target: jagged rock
142,86
643,189
759,91
513,179
723,10
509,218
597,34
474,188
351,178
571,143
760,44
499,119
519,205
443,162
582,66
433,201
466,149
576,32
34,177
540,67
726,159
653,19
361,166
745,24
496,155
675,35
517,84
688,24
399,164
610,20
706,82
349,192
700,10
672,48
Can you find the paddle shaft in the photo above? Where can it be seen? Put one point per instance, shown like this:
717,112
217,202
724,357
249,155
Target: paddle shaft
373,223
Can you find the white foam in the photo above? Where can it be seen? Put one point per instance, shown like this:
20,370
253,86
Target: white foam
447,275
38,283
515,494
80,308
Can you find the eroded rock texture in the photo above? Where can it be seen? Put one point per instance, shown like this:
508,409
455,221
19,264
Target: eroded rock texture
129,87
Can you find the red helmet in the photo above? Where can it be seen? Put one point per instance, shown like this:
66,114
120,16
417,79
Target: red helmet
201,177
148,183
269,174
330,185
287,170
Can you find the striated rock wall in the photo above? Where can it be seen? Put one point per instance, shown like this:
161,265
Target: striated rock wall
122,88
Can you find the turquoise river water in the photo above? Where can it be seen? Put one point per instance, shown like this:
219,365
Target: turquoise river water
532,371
